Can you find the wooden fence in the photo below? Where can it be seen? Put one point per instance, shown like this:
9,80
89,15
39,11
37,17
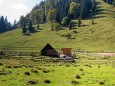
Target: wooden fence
34,51
97,54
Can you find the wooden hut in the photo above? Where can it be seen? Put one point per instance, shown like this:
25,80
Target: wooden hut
48,50
66,51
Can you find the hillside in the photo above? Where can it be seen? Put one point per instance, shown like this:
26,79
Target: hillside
97,37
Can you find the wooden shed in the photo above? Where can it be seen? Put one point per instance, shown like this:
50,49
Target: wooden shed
48,50
66,51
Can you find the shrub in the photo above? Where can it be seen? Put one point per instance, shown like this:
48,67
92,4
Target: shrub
27,73
68,35
2,73
78,77
46,71
74,82
101,83
31,82
38,27
34,71
81,69
64,21
15,66
8,72
1,64
47,81
8,66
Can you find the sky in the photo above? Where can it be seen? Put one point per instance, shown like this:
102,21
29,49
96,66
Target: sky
13,9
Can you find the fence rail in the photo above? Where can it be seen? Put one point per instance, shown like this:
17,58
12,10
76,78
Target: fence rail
28,51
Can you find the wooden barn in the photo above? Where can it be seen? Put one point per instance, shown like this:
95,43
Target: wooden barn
66,51
67,54
48,50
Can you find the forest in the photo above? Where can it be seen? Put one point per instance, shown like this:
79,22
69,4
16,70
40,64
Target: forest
5,25
59,11
112,2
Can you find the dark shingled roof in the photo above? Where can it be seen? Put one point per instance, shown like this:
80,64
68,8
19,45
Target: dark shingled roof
47,48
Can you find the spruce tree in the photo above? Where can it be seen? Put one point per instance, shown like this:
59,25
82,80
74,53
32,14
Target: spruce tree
3,25
38,26
24,29
94,5
14,24
51,17
30,28
79,22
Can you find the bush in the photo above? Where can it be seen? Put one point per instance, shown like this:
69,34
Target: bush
64,21
81,69
27,73
1,64
31,82
45,71
34,71
56,26
2,73
47,81
101,83
68,35
38,27
8,66
78,77
74,82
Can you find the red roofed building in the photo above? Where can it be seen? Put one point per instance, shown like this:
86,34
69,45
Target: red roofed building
66,51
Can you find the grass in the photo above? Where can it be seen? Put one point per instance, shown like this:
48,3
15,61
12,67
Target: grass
86,71
96,37
81,73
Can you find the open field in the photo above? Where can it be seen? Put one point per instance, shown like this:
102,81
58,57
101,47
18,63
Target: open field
90,72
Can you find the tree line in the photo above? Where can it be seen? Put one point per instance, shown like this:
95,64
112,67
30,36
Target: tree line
60,12
5,25
112,2
62,8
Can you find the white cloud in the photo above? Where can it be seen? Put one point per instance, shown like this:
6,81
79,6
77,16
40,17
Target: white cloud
0,2
19,6
13,9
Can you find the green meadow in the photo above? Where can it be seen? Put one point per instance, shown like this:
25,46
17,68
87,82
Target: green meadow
82,72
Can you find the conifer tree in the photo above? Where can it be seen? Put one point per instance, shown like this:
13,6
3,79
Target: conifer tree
79,22
24,29
51,17
30,27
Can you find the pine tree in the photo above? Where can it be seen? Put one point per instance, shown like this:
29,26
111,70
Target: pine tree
51,17
94,5
3,25
24,29
6,22
38,26
14,24
70,26
57,27
79,22
113,3
73,9
30,28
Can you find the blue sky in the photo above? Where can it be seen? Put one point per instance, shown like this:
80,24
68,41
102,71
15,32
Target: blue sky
13,9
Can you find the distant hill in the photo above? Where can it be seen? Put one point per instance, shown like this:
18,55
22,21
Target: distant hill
99,36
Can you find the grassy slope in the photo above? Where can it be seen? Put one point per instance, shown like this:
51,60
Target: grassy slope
97,37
